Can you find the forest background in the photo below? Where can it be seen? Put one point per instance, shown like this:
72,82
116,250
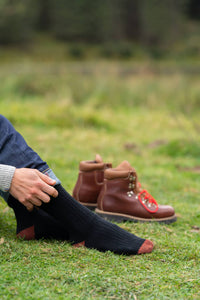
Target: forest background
115,28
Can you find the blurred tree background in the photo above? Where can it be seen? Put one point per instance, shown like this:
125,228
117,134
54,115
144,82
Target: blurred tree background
117,25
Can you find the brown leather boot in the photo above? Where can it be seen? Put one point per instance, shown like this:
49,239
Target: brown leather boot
90,181
122,198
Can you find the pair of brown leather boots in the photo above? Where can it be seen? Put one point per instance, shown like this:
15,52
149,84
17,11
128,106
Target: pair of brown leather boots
116,195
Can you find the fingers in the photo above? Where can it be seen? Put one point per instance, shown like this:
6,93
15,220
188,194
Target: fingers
47,186
32,187
41,196
36,201
40,193
46,178
28,205
51,191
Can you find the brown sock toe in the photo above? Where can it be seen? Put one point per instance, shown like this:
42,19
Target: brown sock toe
146,247
81,244
27,234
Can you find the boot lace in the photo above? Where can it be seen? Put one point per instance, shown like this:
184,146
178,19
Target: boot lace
147,201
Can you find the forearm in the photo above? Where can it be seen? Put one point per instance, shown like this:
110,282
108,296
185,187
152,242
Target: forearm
6,175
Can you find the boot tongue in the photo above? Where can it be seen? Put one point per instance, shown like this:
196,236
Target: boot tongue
98,158
125,166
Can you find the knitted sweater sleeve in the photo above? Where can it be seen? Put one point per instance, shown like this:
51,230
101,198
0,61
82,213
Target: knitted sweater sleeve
6,175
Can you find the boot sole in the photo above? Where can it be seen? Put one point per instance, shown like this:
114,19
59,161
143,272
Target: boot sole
117,217
90,206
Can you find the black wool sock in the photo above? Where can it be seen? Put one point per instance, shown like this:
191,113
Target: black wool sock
47,227
106,236
89,229
24,218
36,224
73,216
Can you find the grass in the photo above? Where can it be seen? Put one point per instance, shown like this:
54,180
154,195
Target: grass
146,113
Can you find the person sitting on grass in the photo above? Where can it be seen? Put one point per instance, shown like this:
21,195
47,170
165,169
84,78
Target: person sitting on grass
44,209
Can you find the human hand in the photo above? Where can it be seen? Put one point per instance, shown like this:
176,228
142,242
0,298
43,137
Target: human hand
32,187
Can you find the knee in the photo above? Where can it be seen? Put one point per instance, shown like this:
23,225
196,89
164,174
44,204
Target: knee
3,121
4,125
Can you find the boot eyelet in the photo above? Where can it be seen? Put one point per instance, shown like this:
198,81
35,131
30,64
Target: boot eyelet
131,185
130,194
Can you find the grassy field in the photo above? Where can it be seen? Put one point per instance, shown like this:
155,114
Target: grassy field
144,112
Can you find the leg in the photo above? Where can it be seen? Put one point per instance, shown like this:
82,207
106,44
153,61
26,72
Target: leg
36,224
15,151
91,230
82,225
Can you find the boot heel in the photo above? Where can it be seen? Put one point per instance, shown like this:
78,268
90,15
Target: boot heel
90,206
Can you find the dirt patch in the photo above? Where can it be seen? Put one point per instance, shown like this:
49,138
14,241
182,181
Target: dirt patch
157,143
195,169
